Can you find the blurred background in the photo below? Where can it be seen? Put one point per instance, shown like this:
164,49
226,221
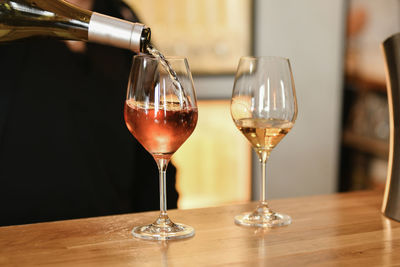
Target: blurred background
340,139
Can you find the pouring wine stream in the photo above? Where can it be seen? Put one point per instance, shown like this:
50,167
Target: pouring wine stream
175,80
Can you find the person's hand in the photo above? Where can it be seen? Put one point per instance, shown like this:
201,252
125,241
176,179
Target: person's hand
78,46
86,4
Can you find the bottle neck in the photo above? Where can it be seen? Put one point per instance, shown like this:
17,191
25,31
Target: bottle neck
116,32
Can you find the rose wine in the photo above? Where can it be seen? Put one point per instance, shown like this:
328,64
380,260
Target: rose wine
264,134
161,130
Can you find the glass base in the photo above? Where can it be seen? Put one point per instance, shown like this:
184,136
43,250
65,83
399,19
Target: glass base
263,217
163,229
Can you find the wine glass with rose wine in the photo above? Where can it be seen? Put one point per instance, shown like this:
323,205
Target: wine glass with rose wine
161,113
264,109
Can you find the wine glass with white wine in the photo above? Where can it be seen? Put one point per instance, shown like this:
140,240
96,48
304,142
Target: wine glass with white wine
264,109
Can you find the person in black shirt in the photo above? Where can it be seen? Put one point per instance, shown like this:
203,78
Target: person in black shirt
65,151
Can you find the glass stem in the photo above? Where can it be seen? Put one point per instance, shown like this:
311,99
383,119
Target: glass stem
162,168
263,160
263,183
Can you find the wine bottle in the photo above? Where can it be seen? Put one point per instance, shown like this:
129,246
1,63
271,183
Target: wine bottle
20,19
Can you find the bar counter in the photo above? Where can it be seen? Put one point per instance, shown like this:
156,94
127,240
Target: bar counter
336,230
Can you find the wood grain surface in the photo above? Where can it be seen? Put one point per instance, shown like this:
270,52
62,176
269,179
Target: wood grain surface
332,230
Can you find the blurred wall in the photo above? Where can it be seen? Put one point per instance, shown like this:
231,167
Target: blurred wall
311,34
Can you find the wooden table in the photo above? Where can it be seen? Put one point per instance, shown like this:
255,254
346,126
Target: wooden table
335,230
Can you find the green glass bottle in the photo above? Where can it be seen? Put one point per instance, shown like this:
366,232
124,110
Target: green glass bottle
20,19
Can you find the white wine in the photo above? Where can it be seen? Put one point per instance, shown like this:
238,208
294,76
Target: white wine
264,134
20,19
